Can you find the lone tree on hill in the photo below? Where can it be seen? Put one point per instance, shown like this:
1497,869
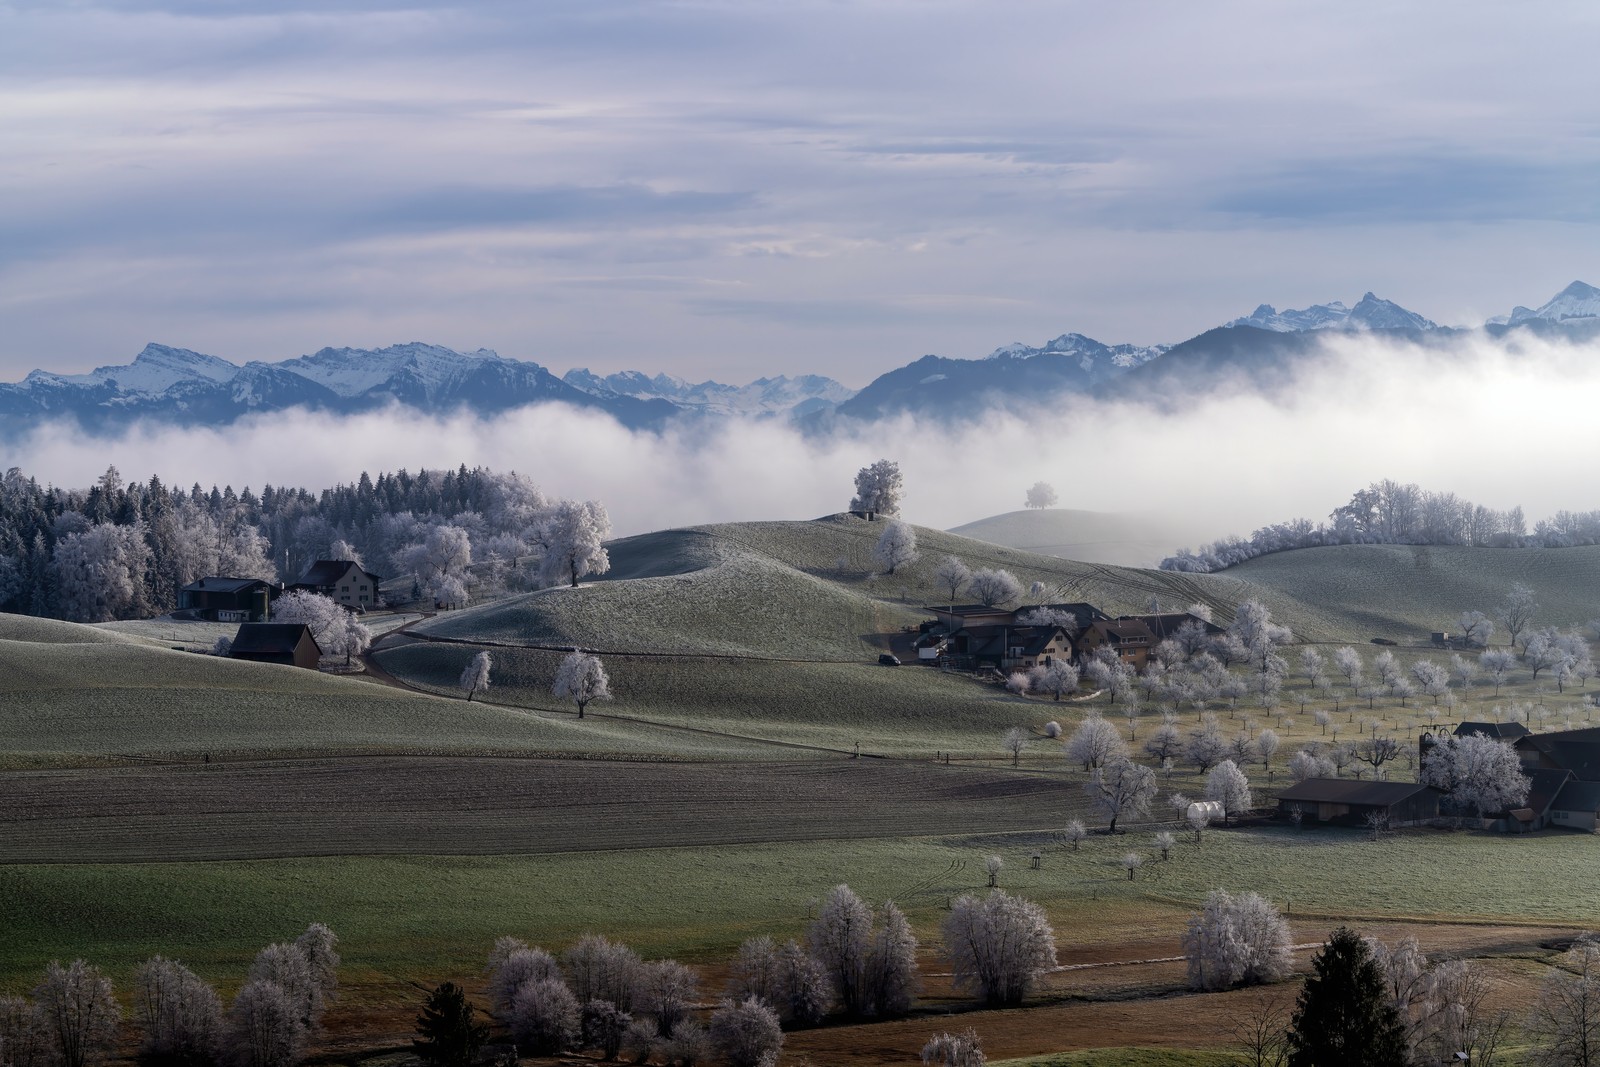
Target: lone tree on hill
1344,1016
897,546
572,542
582,679
1042,495
448,1035
878,489
475,678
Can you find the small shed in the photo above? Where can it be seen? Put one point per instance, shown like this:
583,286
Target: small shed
288,643
1350,800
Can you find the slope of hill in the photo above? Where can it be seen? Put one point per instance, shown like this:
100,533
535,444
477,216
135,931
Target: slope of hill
1125,540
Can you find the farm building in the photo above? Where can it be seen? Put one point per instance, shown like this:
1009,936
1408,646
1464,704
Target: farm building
1163,625
1577,806
1131,639
1577,751
342,581
289,643
228,599
1504,731
1350,800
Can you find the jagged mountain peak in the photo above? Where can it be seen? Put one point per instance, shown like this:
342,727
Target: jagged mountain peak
1371,312
1580,300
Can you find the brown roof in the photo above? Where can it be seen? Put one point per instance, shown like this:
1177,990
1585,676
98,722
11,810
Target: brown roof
1130,629
272,637
1165,624
1352,791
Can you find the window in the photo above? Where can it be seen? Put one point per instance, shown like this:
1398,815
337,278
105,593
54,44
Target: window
344,589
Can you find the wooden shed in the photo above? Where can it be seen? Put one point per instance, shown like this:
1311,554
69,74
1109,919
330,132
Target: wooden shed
289,643
1350,800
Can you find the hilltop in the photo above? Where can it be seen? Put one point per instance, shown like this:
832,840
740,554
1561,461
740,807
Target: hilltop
1126,540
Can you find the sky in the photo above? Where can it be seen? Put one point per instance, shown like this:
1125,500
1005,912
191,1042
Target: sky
722,189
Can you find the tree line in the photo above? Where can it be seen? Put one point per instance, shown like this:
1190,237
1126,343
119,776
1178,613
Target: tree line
121,549
1395,513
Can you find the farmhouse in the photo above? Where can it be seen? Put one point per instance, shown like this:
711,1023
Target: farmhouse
228,599
1350,801
974,636
288,643
342,581
1130,638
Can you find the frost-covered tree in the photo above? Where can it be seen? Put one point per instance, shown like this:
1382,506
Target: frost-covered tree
511,966
878,489
1095,742
320,614
1165,742
897,546
78,1013
1042,495
1056,678
582,679
1014,741
1431,678
1481,774
1347,661
99,573
1121,787
1476,628
1227,784
264,1027
545,1017
667,992
597,968
892,964
998,946
571,542
1565,1023
994,586
745,1033
1267,745
1542,651
475,676
22,1038
954,1050
1236,940
440,559
603,1027
869,959
1517,611
1303,765
1497,663
1206,747
180,1014
1074,833
952,576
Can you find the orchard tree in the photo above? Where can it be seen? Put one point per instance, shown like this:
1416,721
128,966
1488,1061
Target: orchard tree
1056,677
1476,628
747,1033
1517,611
1015,740
1343,1015
1236,940
582,679
1481,774
897,546
953,1050
1121,787
1095,743
1497,663
77,1012
1042,495
180,1014
994,586
952,575
1207,747
571,542
1304,764
475,678
998,946
878,489
1227,784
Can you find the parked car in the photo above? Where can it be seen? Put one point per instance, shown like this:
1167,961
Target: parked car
888,660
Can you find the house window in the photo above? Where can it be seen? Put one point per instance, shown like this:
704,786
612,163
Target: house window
344,589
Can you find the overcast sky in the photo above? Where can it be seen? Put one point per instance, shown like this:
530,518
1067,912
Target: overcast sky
722,189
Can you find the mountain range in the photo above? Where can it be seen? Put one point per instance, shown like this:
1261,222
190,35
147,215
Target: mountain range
177,385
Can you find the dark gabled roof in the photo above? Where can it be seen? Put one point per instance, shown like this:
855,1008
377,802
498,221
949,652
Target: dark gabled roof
1352,791
1086,614
223,585
1575,750
967,609
1125,628
326,572
282,637
1544,785
996,640
1165,624
1502,730
1578,796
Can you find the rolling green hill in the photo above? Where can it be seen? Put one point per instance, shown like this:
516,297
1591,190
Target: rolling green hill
1125,540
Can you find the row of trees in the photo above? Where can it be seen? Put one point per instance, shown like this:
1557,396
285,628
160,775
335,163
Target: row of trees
74,1020
1390,512
121,550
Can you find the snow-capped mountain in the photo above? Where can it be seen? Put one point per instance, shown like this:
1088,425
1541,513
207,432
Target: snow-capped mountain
1370,313
782,395
1577,301
1094,357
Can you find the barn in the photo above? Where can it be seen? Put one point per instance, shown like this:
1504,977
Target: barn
289,643
1349,800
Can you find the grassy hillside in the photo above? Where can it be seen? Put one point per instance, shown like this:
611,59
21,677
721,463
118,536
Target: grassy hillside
89,694
1403,592
1090,536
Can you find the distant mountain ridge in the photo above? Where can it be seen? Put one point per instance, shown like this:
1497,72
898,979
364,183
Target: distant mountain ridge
177,385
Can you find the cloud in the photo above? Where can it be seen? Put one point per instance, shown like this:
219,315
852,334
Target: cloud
1501,426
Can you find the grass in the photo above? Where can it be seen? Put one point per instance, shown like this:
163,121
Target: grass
1126,540
1128,1057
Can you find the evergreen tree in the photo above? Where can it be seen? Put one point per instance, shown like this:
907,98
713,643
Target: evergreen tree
1344,1016
449,1035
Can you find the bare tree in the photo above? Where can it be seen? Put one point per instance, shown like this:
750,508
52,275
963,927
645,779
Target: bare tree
1236,940
1517,611
992,585
22,1038
475,677
1565,1023
1261,1029
1476,628
897,546
992,866
952,575
597,968
1121,787
582,679
998,946
78,1012
1041,495
745,1033
841,938
953,1050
